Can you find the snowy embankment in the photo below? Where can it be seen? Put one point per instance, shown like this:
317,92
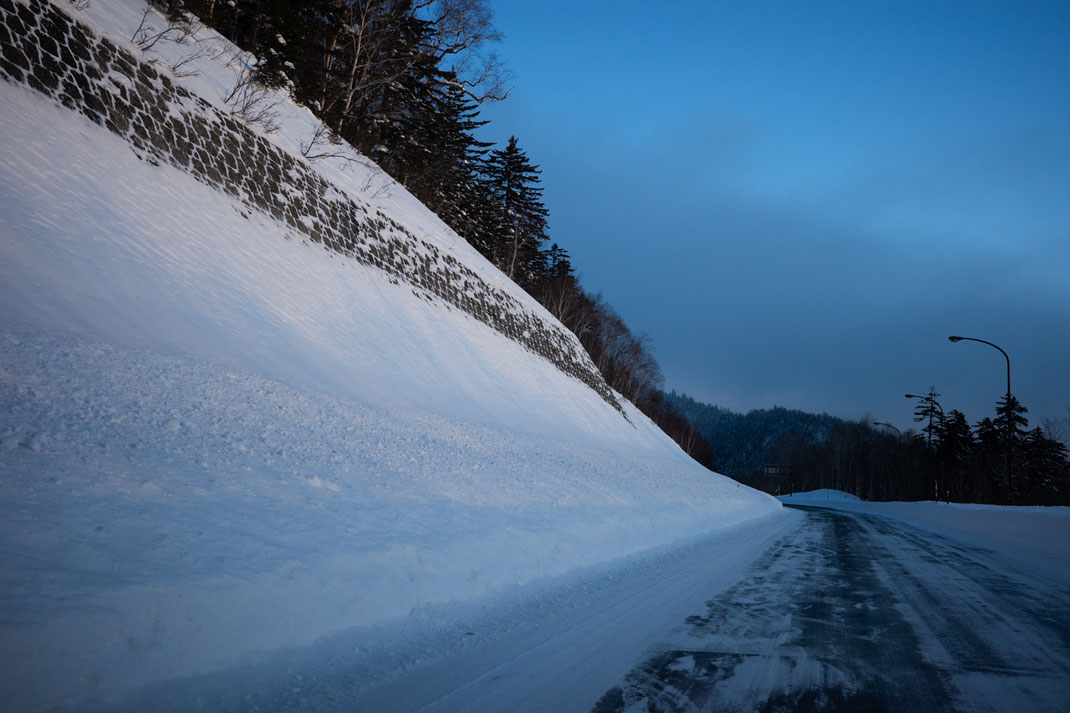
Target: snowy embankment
1038,537
217,440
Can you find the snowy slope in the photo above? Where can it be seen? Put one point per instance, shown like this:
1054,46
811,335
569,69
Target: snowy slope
217,440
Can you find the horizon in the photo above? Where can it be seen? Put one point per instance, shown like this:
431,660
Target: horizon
839,187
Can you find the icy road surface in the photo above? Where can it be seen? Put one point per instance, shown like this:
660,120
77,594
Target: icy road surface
856,612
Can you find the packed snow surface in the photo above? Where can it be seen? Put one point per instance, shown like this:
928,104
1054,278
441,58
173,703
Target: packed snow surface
217,440
1035,536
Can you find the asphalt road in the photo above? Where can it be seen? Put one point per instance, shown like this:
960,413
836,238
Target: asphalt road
855,612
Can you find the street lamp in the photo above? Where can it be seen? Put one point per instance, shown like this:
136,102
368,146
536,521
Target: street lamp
882,423
971,339
930,399
899,434
1010,427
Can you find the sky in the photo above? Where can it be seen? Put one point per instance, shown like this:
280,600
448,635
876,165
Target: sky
800,201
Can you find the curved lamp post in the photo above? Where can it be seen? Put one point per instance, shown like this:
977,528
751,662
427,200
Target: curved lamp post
982,341
1007,449
882,423
930,399
899,434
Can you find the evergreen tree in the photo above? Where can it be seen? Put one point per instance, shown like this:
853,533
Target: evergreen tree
560,293
1010,420
1044,469
450,183
956,451
557,262
989,455
928,411
518,225
1010,424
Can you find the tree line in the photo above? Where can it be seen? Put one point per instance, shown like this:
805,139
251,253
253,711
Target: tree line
402,81
1000,459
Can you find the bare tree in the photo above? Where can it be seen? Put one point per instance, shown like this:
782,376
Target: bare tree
378,41
324,143
464,29
155,28
360,54
1057,429
178,29
249,100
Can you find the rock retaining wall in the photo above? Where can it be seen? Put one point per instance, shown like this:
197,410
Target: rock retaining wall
45,48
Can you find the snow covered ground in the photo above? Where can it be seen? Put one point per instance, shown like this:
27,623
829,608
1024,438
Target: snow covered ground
821,495
1035,536
553,645
218,442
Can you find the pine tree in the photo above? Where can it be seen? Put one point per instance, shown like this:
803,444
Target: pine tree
557,262
449,183
1044,469
1009,419
928,411
1010,427
988,459
956,450
517,217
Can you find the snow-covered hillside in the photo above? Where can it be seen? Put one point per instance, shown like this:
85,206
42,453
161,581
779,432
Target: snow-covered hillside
218,438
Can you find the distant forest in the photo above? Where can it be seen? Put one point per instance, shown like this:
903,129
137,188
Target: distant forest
1000,460
403,82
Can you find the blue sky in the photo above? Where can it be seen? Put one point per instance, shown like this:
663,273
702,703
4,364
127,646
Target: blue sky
800,201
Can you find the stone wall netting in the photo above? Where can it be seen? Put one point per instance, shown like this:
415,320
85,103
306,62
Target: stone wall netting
43,47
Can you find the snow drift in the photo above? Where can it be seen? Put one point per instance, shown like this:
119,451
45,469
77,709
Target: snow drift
218,438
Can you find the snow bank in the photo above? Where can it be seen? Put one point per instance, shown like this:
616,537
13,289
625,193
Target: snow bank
822,494
217,440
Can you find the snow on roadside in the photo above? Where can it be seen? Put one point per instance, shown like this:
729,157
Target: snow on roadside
174,516
217,440
820,495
